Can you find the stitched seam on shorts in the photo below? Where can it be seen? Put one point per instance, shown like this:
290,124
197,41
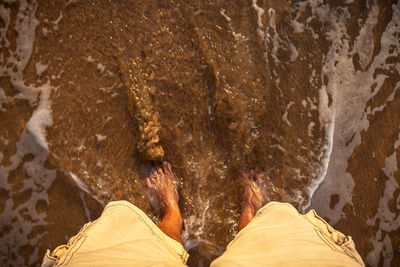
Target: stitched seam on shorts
52,259
55,260
65,256
183,257
72,250
138,215
327,240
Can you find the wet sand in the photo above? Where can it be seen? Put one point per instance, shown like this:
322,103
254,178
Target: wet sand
93,92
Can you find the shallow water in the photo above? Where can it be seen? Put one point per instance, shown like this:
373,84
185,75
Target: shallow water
91,93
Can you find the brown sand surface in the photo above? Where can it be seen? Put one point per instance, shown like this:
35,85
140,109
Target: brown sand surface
294,89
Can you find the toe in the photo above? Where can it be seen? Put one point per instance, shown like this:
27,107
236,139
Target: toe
149,182
166,167
160,172
153,174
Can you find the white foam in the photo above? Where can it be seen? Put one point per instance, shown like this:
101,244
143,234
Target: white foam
275,37
44,31
222,12
364,45
310,128
350,92
79,182
100,137
5,141
3,98
297,26
40,68
32,140
271,38
260,11
25,25
294,53
5,16
85,206
194,226
388,221
89,59
100,67
284,117
55,23
39,182
383,106
236,35
71,2
41,117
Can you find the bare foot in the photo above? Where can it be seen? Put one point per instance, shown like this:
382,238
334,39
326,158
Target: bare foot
162,191
162,188
258,192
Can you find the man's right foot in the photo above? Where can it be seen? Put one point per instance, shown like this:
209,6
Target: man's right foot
162,191
258,192
162,188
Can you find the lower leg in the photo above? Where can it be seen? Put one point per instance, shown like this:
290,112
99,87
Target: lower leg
246,216
162,192
171,224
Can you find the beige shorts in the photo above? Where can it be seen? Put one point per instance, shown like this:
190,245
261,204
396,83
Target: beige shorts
122,236
277,236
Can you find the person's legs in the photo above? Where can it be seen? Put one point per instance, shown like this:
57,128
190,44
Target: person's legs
273,233
162,192
125,235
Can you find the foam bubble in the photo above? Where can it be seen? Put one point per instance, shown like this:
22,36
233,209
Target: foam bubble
41,117
100,67
40,68
89,59
100,137
297,26
79,182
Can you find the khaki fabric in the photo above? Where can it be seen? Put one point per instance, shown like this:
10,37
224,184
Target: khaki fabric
122,236
279,236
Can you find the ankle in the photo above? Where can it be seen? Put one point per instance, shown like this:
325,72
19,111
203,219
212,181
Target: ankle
246,216
171,223
171,208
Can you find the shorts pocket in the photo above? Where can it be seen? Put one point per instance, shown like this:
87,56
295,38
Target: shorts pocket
334,239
